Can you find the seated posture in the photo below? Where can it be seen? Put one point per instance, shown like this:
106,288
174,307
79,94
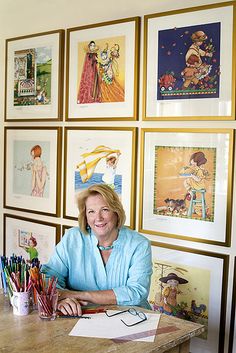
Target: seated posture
101,261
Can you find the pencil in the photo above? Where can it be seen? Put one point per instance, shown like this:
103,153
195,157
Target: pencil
73,317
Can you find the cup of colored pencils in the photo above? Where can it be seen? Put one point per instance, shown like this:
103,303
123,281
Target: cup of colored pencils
47,295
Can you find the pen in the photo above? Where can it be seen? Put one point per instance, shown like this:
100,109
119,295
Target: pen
73,317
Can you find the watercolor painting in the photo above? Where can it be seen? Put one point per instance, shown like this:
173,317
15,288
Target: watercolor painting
184,182
101,70
32,76
99,166
189,62
31,168
99,156
181,291
29,238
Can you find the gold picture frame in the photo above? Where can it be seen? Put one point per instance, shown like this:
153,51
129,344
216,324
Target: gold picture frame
201,294
189,64
34,74
102,71
32,169
186,184
86,144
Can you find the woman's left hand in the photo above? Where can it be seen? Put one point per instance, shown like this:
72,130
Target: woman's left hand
69,306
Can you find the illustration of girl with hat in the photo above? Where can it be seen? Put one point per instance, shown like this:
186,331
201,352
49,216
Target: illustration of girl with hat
169,293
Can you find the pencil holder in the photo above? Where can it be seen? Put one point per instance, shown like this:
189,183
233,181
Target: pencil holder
20,302
47,305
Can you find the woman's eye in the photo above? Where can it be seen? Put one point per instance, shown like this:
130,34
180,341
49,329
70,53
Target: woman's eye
90,211
106,209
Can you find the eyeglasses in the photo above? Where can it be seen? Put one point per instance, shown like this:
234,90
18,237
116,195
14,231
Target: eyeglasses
132,311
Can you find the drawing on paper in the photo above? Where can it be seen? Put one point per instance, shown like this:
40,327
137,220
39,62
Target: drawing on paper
99,166
32,76
101,71
189,62
181,291
184,182
31,168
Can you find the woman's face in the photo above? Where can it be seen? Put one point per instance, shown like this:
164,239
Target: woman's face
92,46
101,219
173,282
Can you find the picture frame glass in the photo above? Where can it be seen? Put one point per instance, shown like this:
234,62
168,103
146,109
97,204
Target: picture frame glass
100,156
33,77
186,178
102,71
193,291
31,169
29,238
177,85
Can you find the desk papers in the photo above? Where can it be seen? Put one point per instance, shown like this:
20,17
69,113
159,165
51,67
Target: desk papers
102,326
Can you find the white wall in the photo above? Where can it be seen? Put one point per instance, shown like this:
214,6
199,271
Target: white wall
19,18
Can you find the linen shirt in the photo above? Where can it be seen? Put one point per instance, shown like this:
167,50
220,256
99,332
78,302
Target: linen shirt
78,264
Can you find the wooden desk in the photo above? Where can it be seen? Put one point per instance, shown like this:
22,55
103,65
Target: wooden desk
21,334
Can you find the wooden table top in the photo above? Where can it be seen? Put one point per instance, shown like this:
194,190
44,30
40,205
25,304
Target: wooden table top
31,334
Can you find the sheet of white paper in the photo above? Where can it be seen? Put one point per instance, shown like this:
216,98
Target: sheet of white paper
101,326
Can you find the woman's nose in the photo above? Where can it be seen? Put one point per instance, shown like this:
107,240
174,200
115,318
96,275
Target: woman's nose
99,215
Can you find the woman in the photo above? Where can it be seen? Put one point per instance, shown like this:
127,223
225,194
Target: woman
101,261
39,172
89,89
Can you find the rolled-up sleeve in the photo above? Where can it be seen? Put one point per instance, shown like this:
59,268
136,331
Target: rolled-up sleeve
136,291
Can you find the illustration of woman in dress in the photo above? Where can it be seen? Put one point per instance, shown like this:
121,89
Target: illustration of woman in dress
89,89
110,172
39,172
111,90
31,249
168,301
196,173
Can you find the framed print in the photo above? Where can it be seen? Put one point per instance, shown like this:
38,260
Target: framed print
232,333
97,155
186,184
32,169
192,285
34,77
102,71
189,64
30,238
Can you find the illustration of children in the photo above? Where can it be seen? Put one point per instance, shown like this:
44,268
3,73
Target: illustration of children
196,174
110,172
39,172
190,71
169,294
31,249
198,38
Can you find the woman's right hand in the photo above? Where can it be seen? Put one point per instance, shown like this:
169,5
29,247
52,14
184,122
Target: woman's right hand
69,306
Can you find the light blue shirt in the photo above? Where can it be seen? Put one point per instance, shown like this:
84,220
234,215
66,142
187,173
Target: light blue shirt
78,264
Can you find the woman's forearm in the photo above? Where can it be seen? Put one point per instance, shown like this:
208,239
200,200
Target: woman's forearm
94,297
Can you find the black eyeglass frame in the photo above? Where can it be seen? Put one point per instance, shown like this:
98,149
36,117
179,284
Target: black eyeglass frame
132,311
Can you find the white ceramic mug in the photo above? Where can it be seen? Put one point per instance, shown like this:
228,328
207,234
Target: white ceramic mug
20,302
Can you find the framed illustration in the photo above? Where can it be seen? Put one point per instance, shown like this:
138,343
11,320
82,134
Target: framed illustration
232,333
96,155
34,77
32,169
186,184
189,64
192,285
102,71
30,238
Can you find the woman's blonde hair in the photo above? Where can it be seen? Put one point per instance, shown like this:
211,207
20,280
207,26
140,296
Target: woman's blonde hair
108,195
